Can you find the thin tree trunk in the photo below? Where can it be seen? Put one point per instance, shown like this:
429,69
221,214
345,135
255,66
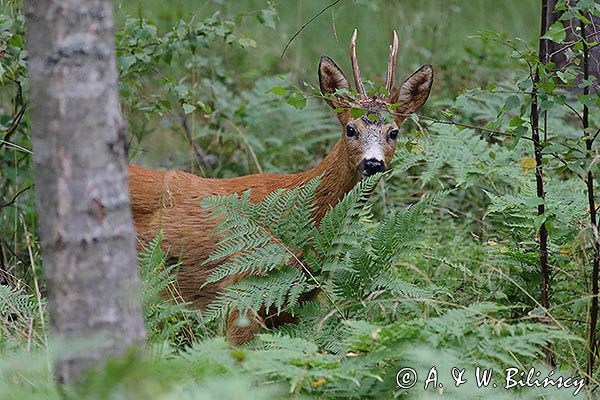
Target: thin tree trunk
560,57
87,235
589,141
535,136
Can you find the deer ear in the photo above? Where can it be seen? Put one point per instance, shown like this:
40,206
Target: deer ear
413,93
331,78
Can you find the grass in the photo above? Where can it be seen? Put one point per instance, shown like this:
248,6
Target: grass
430,31
441,33
468,250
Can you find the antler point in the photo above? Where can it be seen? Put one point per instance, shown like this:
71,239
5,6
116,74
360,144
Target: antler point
355,69
389,82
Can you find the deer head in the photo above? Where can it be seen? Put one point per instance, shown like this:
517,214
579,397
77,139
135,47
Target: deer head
369,140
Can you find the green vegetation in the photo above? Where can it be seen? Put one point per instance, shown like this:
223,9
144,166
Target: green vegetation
435,262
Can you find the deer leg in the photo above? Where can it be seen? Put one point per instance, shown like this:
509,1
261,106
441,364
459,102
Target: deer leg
238,335
276,319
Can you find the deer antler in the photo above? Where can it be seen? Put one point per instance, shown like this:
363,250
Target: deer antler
389,82
360,88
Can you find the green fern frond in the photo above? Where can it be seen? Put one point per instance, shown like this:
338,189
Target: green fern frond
400,230
15,301
261,260
257,238
336,224
164,317
278,291
19,317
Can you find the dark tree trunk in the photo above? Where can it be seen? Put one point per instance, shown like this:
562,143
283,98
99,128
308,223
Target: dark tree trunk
590,68
559,54
88,242
589,142
539,173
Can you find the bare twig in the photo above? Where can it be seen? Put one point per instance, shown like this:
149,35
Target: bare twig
469,126
8,247
13,127
306,24
4,203
561,49
595,135
19,96
566,164
199,151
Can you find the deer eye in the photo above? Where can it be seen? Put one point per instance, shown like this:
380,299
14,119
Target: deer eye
351,131
394,134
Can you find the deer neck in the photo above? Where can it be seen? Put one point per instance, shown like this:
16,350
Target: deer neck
337,178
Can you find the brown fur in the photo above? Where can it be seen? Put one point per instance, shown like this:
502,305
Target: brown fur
171,200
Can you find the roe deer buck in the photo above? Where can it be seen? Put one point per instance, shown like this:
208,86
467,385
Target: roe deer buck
171,200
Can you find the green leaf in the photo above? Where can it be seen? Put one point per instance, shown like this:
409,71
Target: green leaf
588,99
516,121
357,112
512,102
534,202
200,105
247,42
279,91
546,105
297,100
268,17
556,32
188,108
125,62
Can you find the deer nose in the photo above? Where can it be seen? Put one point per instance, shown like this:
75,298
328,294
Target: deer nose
371,166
